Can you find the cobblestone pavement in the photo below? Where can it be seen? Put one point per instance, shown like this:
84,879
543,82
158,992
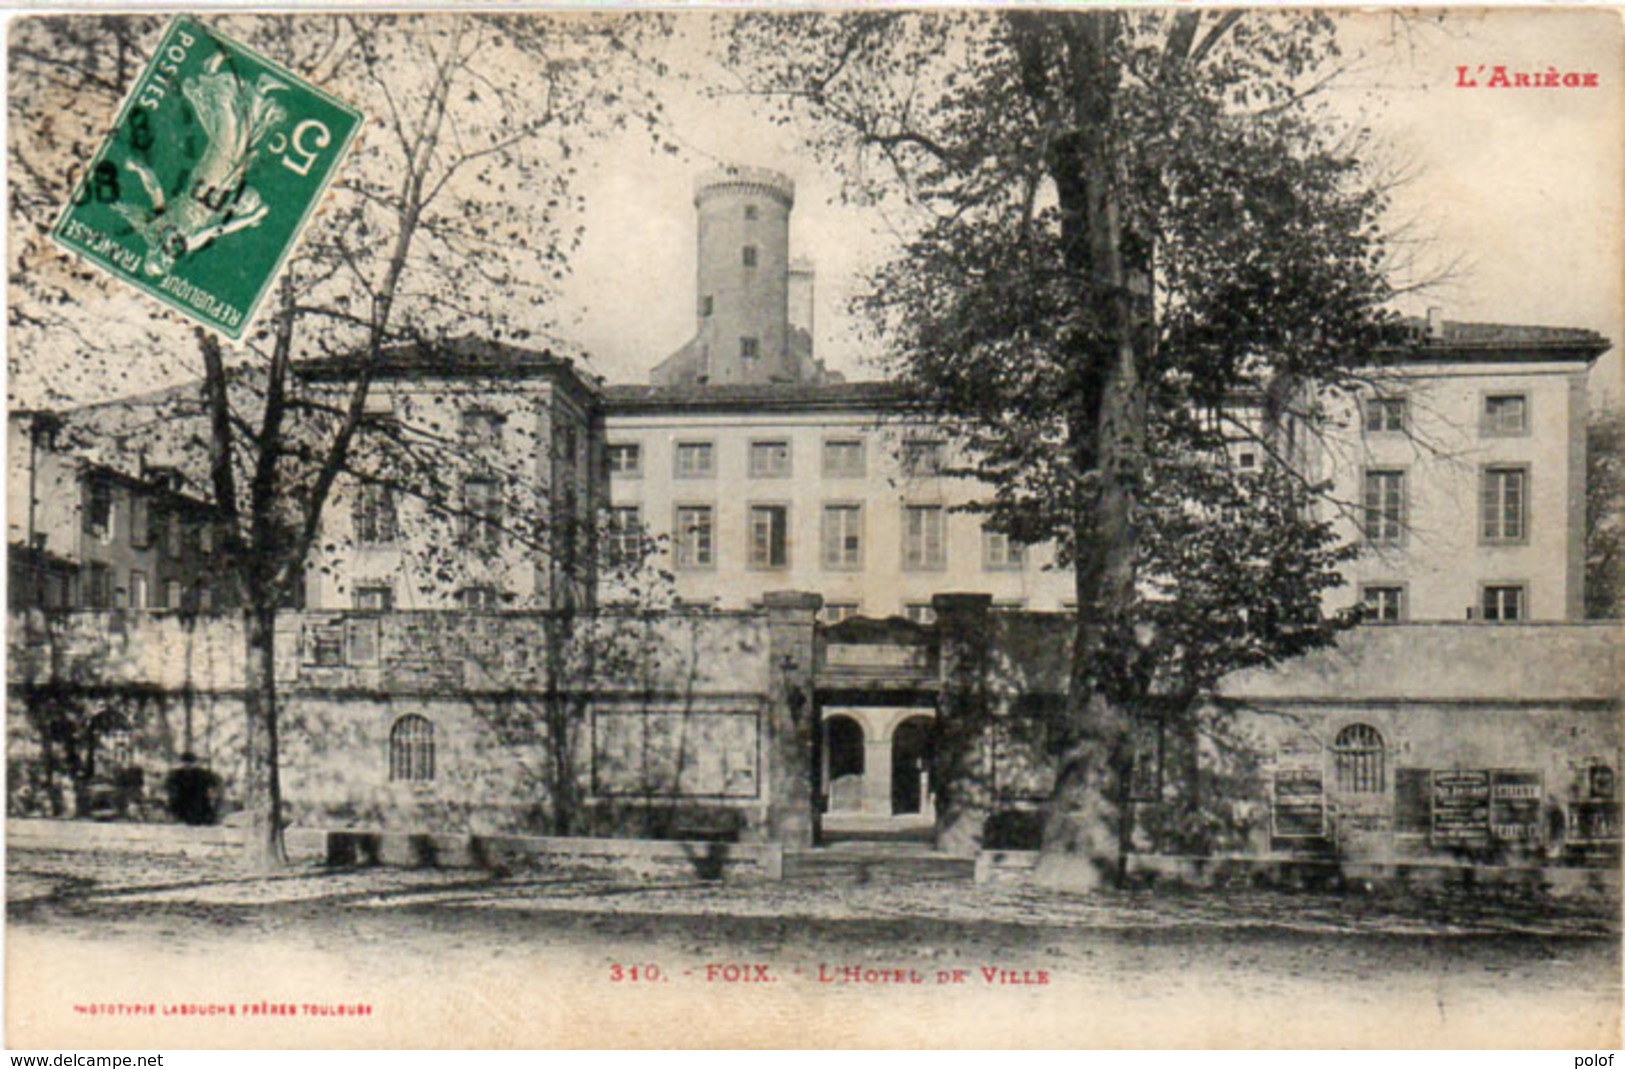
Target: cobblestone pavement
1210,968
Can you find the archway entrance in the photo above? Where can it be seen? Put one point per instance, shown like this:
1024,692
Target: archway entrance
874,771
843,764
912,746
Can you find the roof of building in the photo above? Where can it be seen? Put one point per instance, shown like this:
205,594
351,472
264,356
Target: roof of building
769,396
1496,342
461,357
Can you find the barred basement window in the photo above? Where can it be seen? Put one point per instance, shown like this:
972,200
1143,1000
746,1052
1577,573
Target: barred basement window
411,750
1359,752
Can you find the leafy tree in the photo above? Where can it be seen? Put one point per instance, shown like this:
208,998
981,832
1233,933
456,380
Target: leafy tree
1605,492
1130,222
455,215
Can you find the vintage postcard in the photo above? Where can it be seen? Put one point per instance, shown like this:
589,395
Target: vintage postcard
801,529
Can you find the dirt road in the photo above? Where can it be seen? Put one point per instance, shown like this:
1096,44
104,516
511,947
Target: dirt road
113,950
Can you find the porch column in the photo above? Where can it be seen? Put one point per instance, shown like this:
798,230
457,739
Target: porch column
792,716
876,774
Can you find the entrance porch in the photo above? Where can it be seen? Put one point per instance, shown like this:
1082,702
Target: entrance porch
876,767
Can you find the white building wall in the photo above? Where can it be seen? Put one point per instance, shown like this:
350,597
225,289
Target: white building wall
426,566
1443,560
58,503
881,585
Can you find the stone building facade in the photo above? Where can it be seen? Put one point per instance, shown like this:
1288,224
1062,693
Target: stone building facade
86,534
1439,742
850,651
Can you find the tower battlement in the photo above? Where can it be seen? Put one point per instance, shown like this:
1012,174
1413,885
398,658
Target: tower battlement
736,180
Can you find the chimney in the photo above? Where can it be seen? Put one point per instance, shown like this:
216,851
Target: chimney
1435,324
803,280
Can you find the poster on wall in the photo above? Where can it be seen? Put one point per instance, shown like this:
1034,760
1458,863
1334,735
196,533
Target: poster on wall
1515,797
1461,807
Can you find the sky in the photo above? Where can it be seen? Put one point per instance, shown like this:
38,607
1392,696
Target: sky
1514,194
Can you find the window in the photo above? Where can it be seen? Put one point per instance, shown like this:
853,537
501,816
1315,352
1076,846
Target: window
157,525
174,536
140,521
626,459
1506,414
99,587
1383,604
327,647
1385,415
205,595
922,458
843,458
696,460
750,212
769,460
99,507
750,348
843,536
479,598
411,750
920,612
565,444
361,641
482,515
707,305
482,427
923,537
1384,507
1359,753
374,597
769,536
747,256
834,612
624,542
375,515
1503,603
140,591
172,595
696,537
1247,460
1505,501
1001,553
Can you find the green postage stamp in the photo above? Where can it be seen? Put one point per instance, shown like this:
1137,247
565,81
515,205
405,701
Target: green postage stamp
218,158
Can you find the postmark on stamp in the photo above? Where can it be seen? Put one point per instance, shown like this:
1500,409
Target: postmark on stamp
216,162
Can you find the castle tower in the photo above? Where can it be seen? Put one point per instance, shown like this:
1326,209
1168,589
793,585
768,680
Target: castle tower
742,333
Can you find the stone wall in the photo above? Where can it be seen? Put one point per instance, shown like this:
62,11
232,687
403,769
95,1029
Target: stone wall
1490,744
1462,741
654,725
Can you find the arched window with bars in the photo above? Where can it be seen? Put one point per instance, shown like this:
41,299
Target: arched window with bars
1360,760
411,750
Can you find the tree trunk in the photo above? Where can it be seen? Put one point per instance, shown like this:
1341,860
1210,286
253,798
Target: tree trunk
1083,839
262,787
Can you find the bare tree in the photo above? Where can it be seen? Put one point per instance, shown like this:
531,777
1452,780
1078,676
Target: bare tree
455,215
